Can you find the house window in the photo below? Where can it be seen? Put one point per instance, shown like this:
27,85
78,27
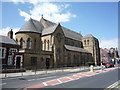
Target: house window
33,61
10,60
2,52
13,50
28,43
21,43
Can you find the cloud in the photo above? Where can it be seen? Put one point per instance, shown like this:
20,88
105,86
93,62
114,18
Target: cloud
109,43
26,15
50,11
4,31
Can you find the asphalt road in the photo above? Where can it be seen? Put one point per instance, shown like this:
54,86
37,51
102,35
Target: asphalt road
22,82
102,81
97,81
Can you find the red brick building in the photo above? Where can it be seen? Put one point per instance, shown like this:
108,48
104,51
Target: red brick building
107,55
9,52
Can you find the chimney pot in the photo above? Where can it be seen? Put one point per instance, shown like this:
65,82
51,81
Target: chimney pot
10,34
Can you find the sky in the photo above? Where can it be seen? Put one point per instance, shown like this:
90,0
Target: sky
98,18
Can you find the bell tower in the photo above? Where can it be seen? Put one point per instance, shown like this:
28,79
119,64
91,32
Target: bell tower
91,44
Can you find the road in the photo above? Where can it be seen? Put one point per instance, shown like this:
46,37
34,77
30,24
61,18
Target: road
25,81
100,80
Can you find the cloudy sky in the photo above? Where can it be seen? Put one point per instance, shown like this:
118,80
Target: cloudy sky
98,18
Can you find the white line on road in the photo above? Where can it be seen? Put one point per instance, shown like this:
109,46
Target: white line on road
31,79
45,84
3,83
69,78
12,78
59,81
41,78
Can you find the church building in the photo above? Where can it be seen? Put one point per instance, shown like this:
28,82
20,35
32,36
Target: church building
47,45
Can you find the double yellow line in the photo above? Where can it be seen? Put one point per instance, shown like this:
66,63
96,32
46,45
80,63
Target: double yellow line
113,85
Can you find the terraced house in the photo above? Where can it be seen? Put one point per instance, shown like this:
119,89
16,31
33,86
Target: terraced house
46,44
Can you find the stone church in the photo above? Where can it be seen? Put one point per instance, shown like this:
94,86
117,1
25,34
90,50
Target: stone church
45,44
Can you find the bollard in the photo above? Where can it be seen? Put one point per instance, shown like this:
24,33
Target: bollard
91,68
22,74
102,67
5,74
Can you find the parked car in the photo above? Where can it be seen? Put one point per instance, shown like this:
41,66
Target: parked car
109,64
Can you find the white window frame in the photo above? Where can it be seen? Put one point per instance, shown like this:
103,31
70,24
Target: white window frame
12,50
10,62
4,54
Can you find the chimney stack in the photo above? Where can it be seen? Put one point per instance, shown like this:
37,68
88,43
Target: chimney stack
10,34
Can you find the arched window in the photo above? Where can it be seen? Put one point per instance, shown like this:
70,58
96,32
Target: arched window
45,44
48,42
16,40
42,45
21,43
87,42
35,44
28,43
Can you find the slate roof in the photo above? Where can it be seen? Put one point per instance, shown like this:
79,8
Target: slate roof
46,23
31,26
89,35
72,48
47,27
71,34
49,30
6,40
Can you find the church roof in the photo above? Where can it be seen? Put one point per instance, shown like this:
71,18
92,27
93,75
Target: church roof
46,23
6,40
67,32
49,30
47,27
89,35
71,34
31,26
72,48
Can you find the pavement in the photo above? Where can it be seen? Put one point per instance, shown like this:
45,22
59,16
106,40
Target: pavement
30,72
63,79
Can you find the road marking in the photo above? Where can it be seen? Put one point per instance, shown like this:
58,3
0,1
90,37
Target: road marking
59,81
36,86
3,83
45,83
41,78
69,78
64,79
53,82
74,77
10,78
113,85
32,80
